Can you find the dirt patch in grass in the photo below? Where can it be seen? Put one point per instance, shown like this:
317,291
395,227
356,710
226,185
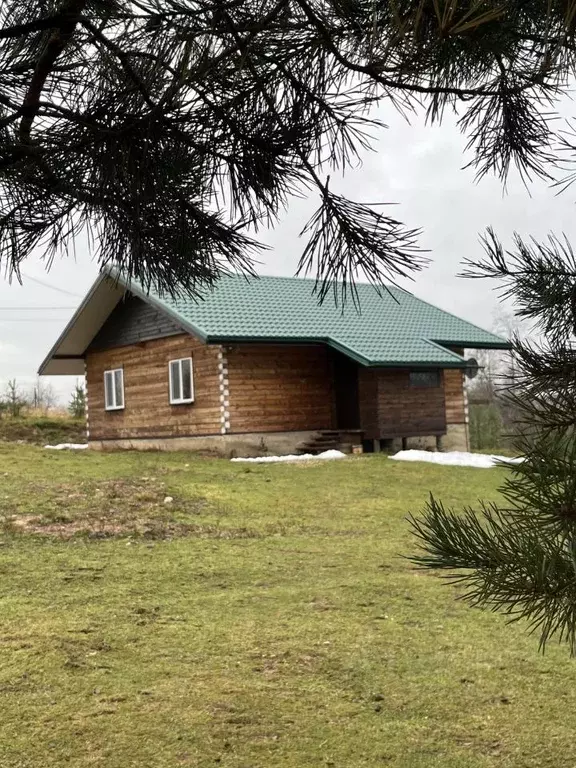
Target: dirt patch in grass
112,508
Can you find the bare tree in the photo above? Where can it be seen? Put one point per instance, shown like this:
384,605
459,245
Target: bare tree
495,366
43,396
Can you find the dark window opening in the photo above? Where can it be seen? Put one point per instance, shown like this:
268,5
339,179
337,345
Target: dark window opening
425,379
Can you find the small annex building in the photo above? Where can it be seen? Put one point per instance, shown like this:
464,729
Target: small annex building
259,365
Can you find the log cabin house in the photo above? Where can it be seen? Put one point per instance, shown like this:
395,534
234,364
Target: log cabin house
260,366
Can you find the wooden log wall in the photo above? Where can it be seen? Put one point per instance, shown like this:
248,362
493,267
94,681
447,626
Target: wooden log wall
390,407
147,411
272,388
455,398
279,387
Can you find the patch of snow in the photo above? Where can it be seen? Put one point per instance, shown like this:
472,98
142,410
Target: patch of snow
291,457
168,500
68,447
456,458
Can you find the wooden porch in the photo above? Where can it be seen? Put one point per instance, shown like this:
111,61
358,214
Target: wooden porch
386,405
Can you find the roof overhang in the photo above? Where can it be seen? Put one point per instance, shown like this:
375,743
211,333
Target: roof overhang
66,358
67,355
502,344
453,360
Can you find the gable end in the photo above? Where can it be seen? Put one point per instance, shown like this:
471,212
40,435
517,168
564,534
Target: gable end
131,322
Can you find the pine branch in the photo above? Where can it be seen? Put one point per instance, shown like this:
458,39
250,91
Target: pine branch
505,566
57,42
519,556
254,98
37,25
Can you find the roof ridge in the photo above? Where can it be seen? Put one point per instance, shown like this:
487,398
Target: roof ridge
258,276
114,272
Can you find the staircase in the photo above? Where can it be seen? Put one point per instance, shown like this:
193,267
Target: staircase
326,440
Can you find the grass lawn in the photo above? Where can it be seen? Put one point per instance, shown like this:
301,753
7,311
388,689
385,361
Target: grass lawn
265,617
39,430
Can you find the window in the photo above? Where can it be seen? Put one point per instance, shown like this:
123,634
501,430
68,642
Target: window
181,381
425,379
114,389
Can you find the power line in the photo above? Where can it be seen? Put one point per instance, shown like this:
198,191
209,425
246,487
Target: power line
32,309
47,285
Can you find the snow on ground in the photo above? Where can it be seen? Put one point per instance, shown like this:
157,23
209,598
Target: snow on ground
67,447
451,458
291,457
456,458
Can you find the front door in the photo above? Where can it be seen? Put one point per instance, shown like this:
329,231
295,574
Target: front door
346,392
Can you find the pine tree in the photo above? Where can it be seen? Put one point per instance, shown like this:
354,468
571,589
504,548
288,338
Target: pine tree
77,404
14,399
172,130
519,557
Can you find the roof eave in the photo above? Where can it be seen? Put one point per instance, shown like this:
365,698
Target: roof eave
428,365
467,344
125,285
454,362
73,320
231,339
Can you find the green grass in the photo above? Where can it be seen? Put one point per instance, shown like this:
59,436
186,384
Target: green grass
265,617
40,430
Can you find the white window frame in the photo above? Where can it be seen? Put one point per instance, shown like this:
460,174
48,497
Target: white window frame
181,400
111,404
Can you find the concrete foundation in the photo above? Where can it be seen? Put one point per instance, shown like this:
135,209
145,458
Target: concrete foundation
229,446
456,438
427,443
271,443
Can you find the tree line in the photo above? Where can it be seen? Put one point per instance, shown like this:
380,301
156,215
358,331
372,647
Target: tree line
17,401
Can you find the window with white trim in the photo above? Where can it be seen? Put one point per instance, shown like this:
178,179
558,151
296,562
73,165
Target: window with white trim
181,381
114,389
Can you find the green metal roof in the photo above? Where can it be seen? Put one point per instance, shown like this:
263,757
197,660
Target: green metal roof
388,329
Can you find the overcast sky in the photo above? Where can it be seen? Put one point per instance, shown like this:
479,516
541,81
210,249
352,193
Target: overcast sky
415,166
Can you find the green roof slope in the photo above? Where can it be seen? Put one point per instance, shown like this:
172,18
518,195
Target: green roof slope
388,329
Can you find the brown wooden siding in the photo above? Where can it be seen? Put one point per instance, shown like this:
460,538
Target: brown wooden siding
279,387
272,388
390,407
454,393
147,411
